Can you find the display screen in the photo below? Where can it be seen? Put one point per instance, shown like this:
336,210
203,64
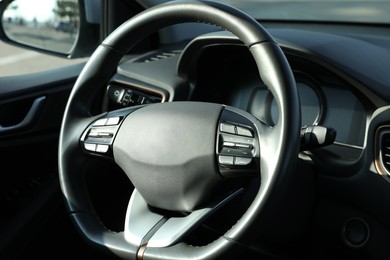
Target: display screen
338,108
346,114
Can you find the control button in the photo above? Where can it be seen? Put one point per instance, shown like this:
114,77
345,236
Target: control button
356,232
141,100
96,134
237,139
133,99
242,161
100,122
228,151
245,146
115,93
244,153
90,147
102,148
125,99
228,144
113,120
244,131
227,160
236,152
227,128
105,134
93,134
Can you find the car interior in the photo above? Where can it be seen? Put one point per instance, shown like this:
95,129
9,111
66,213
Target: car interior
197,130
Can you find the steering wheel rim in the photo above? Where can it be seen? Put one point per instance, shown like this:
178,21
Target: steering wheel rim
279,143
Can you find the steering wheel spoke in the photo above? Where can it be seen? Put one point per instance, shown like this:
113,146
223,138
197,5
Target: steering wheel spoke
144,227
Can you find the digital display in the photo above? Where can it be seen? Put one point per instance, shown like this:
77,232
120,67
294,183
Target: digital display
341,110
346,114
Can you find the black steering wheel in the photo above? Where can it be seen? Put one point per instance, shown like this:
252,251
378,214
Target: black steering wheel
179,155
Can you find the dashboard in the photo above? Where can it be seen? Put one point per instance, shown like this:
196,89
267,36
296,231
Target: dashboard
228,75
221,70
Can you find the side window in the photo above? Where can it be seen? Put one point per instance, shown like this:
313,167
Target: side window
52,25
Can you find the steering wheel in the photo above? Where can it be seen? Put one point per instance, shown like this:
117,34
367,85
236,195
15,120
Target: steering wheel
178,154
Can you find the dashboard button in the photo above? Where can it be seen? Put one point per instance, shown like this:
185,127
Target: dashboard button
115,93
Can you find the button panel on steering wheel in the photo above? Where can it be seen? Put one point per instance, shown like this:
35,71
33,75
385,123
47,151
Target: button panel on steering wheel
237,146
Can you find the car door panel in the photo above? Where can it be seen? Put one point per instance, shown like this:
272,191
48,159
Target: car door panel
31,109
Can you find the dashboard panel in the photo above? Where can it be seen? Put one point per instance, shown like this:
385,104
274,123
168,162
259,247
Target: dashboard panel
216,67
326,99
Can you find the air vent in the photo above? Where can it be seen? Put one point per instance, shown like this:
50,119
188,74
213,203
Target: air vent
161,55
382,152
385,150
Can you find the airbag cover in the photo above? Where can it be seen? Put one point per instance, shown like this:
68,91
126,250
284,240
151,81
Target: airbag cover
168,152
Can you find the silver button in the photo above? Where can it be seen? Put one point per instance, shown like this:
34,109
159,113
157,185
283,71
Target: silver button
113,120
242,161
244,131
227,160
90,147
102,148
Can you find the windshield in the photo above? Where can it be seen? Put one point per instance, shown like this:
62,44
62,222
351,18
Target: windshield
369,11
